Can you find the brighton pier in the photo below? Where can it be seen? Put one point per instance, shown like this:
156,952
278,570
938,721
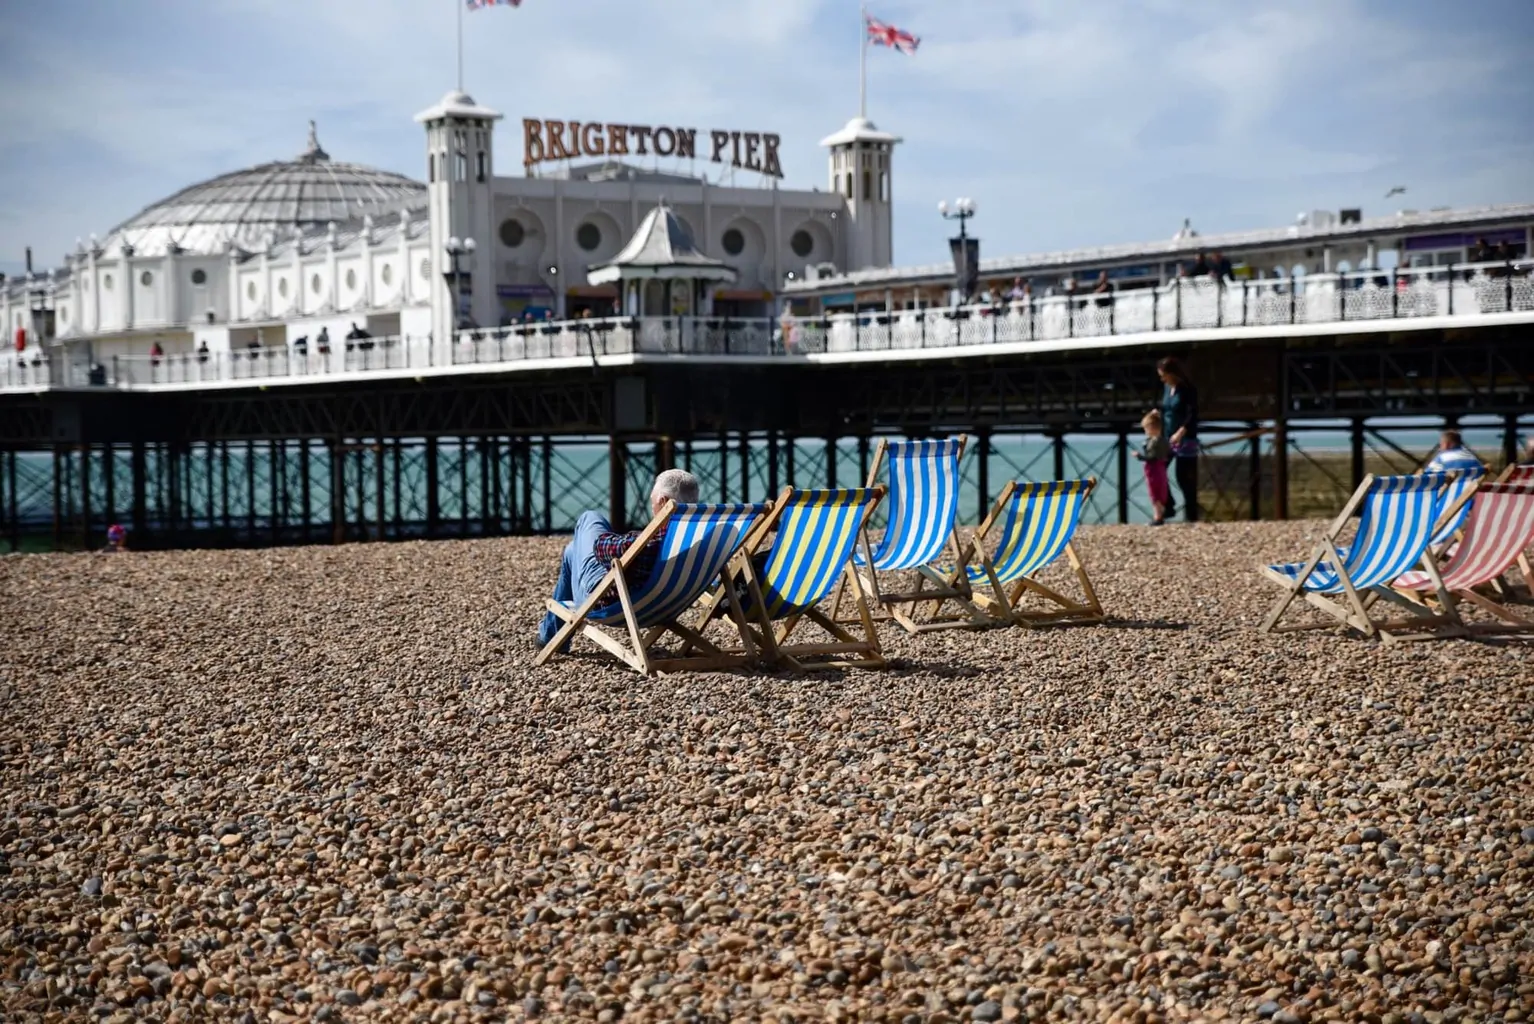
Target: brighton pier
368,372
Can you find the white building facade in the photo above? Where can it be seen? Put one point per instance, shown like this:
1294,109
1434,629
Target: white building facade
263,257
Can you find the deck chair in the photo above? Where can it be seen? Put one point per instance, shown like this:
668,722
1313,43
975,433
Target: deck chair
923,505
1518,475
1457,499
1038,523
1499,528
816,531
697,542
1397,516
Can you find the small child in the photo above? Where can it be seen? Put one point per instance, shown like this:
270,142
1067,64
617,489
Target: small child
117,538
1155,453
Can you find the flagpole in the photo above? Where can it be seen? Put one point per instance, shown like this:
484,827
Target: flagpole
863,61
460,4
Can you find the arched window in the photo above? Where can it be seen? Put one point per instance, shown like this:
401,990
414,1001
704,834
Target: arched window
431,167
479,171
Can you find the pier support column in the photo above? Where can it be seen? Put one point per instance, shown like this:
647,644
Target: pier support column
1254,472
1122,457
58,498
85,495
433,507
665,455
137,471
337,491
982,473
772,463
830,461
12,500
1509,439
548,485
1059,445
745,467
617,484
1357,449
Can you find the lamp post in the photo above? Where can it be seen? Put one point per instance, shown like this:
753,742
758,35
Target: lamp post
457,248
966,250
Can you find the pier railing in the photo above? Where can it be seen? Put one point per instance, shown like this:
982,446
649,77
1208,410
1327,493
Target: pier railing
1202,303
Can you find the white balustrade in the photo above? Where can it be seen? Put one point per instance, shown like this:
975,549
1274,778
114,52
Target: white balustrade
1187,304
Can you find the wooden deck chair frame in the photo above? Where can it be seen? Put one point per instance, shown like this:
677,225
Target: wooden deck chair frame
638,654
1354,608
769,638
997,604
903,607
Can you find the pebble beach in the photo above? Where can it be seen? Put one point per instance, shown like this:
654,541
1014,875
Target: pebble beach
329,784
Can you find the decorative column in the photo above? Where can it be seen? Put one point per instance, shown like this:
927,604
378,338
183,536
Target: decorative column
127,283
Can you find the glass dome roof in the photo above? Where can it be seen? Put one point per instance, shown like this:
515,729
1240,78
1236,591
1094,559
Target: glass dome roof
242,207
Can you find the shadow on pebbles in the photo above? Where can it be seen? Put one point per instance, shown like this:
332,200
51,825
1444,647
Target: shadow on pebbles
328,784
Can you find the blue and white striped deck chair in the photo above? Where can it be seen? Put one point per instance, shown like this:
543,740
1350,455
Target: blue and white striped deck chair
1454,509
1396,519
697,542
1038,521
816,531
923,506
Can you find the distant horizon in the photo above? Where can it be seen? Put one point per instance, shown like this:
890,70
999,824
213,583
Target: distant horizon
1071,125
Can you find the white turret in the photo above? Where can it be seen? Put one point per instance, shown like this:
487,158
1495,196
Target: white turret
861,158
458,176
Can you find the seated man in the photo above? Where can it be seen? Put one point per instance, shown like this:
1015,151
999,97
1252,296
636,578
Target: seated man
594,548
1454,457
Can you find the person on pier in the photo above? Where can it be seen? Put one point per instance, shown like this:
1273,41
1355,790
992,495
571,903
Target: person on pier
595,547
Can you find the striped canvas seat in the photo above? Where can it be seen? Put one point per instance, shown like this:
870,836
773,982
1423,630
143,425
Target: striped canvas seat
1461,485
1498,529
1040,520
698,541
1394,528
923,503
817,530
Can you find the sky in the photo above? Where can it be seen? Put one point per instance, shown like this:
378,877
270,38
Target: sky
1069,122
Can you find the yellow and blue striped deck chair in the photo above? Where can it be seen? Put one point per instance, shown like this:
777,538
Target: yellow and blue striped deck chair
1038,522
816,532
923,505
697,542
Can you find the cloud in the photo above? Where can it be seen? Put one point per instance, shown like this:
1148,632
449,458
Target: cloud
1071,123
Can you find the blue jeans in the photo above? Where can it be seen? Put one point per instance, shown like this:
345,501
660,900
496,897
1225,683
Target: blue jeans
579,570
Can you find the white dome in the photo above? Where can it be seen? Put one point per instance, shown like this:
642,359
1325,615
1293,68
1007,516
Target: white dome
243,207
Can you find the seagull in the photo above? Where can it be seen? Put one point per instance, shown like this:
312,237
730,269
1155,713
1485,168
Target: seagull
1399,190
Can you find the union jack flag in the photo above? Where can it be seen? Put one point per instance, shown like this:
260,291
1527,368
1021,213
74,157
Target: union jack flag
881,34
475,5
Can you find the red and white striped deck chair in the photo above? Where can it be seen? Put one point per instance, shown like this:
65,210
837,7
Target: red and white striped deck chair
1499,528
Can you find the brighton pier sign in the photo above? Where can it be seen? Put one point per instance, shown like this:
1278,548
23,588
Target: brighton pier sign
543,141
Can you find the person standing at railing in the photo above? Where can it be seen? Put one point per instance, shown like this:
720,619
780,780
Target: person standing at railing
1219,265
1103,290
1200,267
1179,417
156,353
202,351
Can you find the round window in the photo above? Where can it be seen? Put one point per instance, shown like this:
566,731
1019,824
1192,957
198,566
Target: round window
250,291
199,276
106,281
351,279
282,287
386,274
512,233
588,236
734,241
146,279
803,243
315,284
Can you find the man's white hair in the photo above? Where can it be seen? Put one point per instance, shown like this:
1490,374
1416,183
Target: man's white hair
677,484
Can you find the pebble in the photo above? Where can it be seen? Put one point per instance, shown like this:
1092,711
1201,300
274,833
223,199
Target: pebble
364,801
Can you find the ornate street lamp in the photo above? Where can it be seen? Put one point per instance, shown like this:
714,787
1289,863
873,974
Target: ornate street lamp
966,250
462,280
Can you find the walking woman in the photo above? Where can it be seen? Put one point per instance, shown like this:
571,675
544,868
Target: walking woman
1179,415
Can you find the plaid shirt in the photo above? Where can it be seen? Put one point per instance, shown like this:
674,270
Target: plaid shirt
611,546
